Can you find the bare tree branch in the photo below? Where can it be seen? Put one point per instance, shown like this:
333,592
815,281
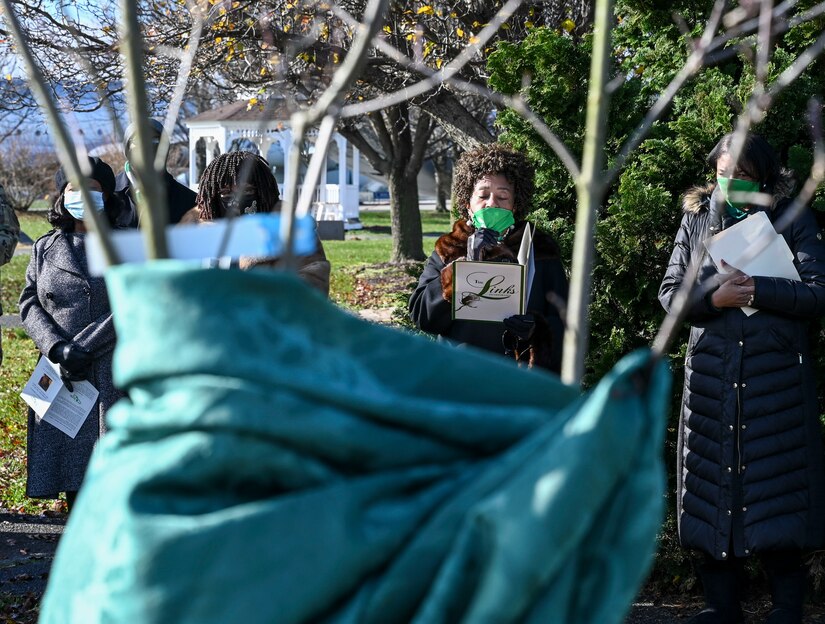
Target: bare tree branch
74,158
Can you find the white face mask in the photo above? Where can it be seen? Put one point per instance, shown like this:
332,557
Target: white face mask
73,203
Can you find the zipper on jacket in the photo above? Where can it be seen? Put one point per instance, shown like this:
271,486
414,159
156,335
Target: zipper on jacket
738,429
800,358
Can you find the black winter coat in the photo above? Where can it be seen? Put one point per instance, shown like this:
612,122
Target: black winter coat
179,199
749,463
431,309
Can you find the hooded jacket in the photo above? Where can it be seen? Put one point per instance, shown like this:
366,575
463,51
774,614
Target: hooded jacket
179,198
430,304
749,462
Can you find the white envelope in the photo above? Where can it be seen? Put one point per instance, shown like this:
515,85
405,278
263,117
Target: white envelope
753,247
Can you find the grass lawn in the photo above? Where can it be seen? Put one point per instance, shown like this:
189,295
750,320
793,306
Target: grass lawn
369,250
361,278
13,275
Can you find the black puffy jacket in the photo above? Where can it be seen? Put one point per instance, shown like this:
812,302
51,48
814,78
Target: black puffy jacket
749,465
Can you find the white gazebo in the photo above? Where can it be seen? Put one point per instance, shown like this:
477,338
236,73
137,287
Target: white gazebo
241,126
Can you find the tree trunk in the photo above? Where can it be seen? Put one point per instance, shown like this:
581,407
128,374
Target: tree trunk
454,118
406,218
443,181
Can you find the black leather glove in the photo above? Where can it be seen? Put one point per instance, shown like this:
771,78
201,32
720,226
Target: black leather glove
481,239
73,360
522,326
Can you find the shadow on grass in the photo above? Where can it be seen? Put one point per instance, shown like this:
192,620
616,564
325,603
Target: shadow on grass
386,230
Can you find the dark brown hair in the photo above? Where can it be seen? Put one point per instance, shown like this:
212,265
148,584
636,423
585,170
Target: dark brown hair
758,159
60,218
493,159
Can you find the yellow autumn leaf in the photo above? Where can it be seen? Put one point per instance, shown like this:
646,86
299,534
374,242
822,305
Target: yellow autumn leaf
459,32
253,101
218,39
528,24
425,10
263,71
387,30
335,58
8,77
568,25
438,63
474,40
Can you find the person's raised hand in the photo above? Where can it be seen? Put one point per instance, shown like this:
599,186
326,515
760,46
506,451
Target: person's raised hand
478,241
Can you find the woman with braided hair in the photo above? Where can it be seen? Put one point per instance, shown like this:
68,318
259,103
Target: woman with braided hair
492,190
218,198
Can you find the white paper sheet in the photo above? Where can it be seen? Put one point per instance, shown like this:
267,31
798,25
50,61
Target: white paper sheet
734,244
525,258
48,396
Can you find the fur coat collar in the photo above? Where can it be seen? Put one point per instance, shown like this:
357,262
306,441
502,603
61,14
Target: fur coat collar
453,246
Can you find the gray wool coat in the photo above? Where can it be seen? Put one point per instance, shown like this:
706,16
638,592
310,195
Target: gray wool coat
62,303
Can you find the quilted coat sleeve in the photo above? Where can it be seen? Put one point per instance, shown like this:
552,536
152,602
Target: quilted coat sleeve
683,251
428,309
38,323
807,297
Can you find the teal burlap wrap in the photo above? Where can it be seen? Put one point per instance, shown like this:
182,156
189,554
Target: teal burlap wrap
280,460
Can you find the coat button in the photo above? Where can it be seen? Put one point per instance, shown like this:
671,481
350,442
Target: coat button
744,508
729,470
744,426
735,385
747,552
744,385
728,511
724,555
743,467
730,427
741,344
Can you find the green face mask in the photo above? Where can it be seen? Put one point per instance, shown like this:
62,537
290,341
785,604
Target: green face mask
498,219
734,185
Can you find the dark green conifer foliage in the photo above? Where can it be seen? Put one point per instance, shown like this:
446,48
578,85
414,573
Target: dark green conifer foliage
641,214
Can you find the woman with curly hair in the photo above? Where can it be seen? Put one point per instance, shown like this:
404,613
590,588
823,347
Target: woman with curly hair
218,198
66,313
492,190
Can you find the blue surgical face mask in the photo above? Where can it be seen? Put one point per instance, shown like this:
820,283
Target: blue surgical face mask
73,203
